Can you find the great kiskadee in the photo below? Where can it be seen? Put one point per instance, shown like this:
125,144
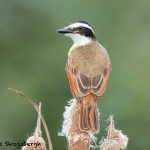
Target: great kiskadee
88,68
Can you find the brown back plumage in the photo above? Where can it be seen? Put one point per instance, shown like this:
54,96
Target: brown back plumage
90,59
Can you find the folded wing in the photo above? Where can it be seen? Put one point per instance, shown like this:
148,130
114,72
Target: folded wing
81,85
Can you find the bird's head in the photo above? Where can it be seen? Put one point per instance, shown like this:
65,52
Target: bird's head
80,32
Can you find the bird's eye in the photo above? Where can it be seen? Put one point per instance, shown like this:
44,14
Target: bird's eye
76,30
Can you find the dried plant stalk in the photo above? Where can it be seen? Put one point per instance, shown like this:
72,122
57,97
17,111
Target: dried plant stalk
20,94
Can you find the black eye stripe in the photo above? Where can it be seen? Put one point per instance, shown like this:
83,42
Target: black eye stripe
87,32
84,31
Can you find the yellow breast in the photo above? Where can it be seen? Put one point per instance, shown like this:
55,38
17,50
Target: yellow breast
69,53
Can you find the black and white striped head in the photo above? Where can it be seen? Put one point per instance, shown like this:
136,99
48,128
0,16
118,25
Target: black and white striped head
80,32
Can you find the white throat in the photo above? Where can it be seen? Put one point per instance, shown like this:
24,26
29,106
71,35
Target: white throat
79,40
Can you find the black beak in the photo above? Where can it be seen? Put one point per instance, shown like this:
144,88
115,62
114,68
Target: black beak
65,30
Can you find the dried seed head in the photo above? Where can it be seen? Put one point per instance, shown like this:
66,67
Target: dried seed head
67,123
110,145
115,140
36,141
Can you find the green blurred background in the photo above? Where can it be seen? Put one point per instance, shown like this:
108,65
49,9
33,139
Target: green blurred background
33,57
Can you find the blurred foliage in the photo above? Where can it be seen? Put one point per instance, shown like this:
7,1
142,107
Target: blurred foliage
33,57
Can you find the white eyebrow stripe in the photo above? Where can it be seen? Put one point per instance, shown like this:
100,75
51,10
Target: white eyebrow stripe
78,24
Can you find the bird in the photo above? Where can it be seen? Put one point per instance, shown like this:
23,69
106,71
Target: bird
88,69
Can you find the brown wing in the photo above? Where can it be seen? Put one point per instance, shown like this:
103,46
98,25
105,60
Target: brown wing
81,85
99,83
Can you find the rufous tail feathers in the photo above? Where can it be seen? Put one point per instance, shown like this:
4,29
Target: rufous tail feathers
88,115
